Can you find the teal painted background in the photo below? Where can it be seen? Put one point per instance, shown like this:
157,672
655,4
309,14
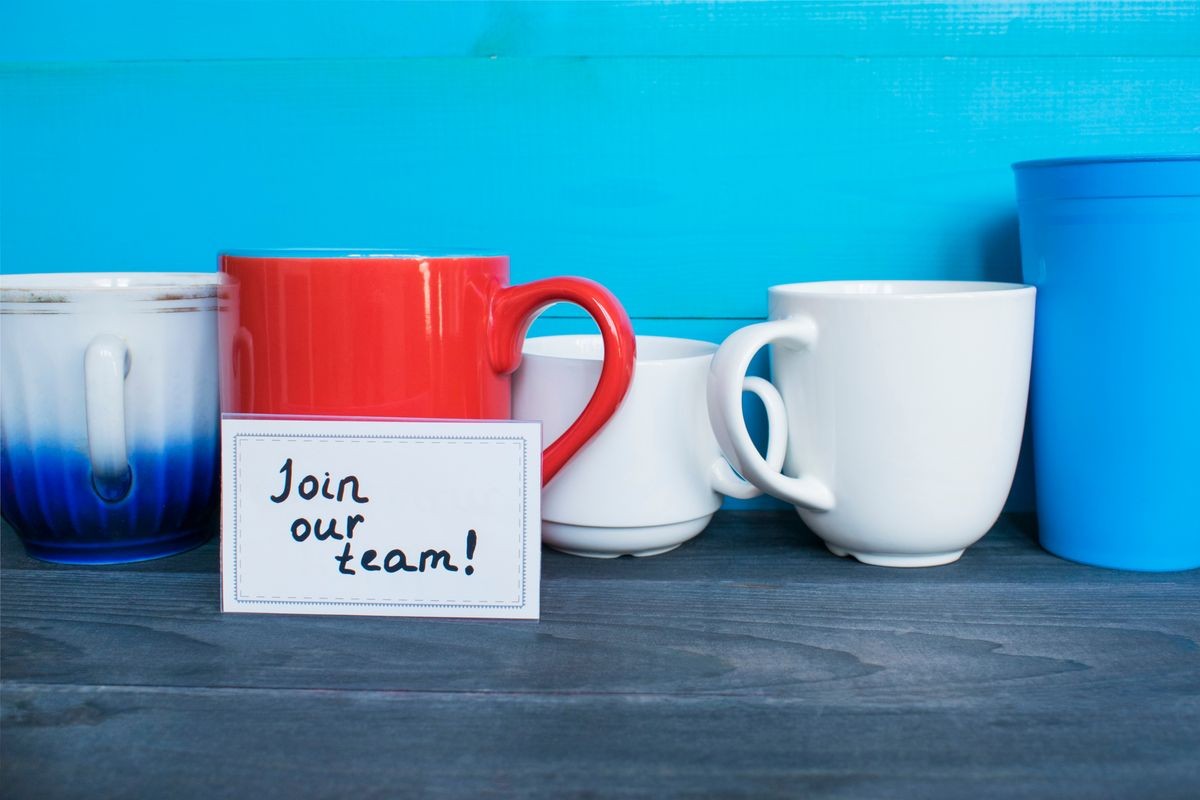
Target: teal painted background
687,155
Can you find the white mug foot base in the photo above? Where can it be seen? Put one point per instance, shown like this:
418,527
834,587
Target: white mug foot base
900,559
592,554
603,542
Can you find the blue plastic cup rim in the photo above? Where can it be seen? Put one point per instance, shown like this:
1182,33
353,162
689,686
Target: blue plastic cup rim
1108,177
1115,159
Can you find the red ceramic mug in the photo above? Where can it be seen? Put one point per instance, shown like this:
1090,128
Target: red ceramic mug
366,334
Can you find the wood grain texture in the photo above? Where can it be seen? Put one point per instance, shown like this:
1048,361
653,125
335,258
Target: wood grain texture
749,662
89,742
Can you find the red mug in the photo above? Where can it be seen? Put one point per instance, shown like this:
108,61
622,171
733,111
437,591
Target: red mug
365,334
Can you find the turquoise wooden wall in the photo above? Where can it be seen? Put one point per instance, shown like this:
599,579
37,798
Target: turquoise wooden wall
688,155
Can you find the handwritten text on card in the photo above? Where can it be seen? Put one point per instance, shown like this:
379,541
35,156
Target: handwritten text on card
396,518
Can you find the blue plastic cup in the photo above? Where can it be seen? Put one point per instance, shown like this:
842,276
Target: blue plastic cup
1113,246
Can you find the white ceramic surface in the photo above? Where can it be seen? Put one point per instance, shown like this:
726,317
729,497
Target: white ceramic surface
654,475
906,405
108,410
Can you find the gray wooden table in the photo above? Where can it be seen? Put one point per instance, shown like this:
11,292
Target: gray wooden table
747,663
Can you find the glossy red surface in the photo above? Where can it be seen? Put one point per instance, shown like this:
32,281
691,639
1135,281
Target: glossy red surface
406,337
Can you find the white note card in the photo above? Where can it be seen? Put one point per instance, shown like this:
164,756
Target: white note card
387,518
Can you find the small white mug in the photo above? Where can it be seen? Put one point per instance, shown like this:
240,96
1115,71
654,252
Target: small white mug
654,475
906,407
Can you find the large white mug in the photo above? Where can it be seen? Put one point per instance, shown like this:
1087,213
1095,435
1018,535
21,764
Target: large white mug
905,404
654,475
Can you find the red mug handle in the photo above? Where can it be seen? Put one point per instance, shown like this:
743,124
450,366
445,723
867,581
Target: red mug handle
513,310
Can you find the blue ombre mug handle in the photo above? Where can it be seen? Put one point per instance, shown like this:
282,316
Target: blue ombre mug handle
105,365
243,378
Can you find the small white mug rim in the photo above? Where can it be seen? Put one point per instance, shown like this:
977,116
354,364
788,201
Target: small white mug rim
553,348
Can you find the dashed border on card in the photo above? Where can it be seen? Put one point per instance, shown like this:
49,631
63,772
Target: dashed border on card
411,439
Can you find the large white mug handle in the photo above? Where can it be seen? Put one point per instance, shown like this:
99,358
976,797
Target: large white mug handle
105,365
725,382
723,478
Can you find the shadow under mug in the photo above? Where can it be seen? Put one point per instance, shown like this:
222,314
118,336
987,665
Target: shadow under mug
110,413
378,334
905,404
655,475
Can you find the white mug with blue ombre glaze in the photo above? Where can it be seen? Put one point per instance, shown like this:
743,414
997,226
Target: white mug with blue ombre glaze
109,413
